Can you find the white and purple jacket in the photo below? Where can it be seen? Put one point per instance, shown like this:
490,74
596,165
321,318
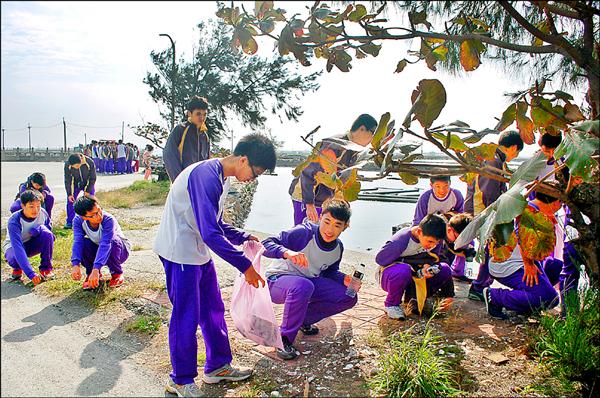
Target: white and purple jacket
428,203
108,230
192,219
20,230
402,247
323,257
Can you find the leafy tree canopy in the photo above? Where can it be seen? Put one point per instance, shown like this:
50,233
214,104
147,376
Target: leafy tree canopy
249,88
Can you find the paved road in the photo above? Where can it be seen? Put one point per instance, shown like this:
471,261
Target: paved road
57,348
14,173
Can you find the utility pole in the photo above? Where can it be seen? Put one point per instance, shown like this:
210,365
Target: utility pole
29,127
65,133
173,74
3,141
85,138
122,131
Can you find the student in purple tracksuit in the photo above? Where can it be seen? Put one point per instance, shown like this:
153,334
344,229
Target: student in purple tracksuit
121,157
80,175
457,257
97,241
96,155
36,181
188,142
412,249
307,195
29,232
439,199
531,286
484,191
305,275
191,225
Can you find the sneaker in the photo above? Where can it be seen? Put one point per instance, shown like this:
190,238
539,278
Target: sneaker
309,330
288,352
227,373
16,274
184,390
395,312
116,280
475,295
495,311
68,226
47,274
461,278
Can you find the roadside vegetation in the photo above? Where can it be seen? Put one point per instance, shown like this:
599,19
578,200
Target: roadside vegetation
152,193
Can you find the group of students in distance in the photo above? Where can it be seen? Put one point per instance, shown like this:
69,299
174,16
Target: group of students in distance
418,263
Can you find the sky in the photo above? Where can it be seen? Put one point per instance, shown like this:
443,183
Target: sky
85,61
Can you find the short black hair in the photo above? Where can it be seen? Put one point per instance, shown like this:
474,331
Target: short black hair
259,150
433,179
31,195
149,148
364,120
459,221
74,158
196,102
509,138
547,199
551,141
338,209
433,225
38,178
84,204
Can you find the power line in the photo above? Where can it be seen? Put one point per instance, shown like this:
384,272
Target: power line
93,127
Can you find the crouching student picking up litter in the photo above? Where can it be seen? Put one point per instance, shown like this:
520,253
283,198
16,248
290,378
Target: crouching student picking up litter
305,275
97,241
29,233
409,263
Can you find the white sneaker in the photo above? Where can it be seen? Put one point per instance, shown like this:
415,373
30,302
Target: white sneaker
395,312
227,373
184,390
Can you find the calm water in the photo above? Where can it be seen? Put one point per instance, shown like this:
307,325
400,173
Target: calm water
371,222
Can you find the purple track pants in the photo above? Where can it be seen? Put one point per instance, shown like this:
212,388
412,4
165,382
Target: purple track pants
42,244
196,298
307,300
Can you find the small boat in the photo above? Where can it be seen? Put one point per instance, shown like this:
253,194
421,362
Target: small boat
381,194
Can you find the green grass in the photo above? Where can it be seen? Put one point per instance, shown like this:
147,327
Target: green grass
570,347
136,224
411,366
140,192
145,324
258,386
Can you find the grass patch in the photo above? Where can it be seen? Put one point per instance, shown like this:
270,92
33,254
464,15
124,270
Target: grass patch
411,366
137,248
145,324
570,347
136,225
140,192
201,357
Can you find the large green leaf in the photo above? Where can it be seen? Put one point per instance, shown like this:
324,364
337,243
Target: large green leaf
508,117
456,144
511,203
471,231
329,180
536,234
530,169
408,178
351,187
429,98
541,118
381,130
577,147
484,151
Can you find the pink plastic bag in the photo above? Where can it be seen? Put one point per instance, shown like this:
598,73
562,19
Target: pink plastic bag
251,308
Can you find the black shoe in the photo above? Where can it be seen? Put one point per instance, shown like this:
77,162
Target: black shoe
461,278
475,295
288,352
309,330
495,311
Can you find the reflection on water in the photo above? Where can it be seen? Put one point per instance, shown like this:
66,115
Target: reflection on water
371,222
